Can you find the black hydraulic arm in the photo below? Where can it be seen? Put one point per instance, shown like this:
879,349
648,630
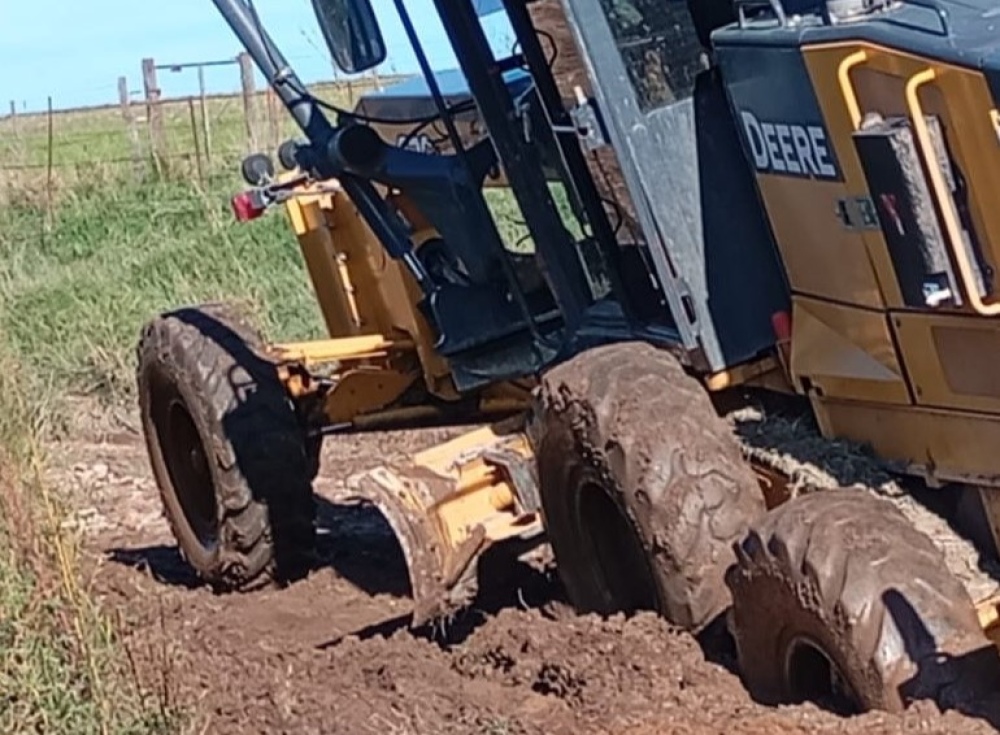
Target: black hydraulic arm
321,134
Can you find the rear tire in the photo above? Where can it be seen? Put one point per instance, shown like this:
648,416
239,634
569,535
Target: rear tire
227,449
644,489
839,581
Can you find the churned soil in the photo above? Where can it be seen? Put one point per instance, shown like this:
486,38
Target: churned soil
334,654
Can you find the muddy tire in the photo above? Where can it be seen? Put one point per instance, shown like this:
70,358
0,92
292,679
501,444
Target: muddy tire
840,582
644,489
227,449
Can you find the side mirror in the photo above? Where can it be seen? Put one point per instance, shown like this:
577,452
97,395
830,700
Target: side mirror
351,32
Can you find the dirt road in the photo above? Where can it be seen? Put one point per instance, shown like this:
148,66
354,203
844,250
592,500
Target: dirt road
332,654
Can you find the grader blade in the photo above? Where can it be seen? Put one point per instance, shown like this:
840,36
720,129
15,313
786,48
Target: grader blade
448,506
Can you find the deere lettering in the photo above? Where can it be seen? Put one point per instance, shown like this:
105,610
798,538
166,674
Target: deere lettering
788,148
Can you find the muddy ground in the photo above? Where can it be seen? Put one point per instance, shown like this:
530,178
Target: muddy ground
333,654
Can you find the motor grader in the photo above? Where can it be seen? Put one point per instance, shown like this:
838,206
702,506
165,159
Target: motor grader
810,182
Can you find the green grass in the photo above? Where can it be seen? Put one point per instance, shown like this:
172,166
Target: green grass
96,147
61,669
96,136
78,295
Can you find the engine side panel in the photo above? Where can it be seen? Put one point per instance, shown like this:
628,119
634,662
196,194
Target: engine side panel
800,173
906,107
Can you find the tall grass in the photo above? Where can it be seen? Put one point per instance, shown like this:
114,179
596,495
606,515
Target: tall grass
74,293
60,668
77,295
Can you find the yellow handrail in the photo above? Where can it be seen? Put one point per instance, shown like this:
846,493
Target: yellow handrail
847,89
940,192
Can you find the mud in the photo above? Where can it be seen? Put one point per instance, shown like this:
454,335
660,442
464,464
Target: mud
333,653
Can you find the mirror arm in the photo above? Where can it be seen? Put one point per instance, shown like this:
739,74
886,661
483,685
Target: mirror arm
320,133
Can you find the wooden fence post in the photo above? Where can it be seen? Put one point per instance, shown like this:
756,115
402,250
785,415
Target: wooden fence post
49,173
249,97
154,109
273,124
206,126
130,126
13,118
194,133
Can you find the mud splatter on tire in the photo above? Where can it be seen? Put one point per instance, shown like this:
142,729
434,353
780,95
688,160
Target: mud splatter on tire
226,448
840,583
643,486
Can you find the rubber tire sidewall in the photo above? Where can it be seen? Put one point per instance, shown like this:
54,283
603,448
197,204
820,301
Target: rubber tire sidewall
847,571
611,414
266,533
174,375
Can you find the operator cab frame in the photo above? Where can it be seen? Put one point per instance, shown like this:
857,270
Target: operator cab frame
711,282
709,254
488,329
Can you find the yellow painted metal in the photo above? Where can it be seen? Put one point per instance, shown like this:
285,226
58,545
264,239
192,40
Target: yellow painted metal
445,458
361,291
947,357
822,258
951,359
847,87
461,493
988,612
478,486
845,351
941,445
346,349
959,97
307,212
364,390
945,202
767,373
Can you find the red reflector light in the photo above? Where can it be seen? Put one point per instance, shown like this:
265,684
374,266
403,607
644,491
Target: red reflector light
244,208
781,322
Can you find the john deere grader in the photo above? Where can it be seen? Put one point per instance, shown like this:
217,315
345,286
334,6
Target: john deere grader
813,185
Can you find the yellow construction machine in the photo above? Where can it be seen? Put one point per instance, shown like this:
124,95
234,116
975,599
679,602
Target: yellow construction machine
810,183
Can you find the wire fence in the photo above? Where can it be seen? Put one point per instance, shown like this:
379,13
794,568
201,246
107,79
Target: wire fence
201,136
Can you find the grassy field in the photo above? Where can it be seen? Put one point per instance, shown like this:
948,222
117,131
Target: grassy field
97,147
77,296
61,670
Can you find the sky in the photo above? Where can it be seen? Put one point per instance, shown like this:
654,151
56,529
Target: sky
44,49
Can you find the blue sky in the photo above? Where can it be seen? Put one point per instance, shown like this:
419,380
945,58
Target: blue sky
44,49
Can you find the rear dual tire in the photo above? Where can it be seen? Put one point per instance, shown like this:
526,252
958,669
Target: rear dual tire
649,505
643,486
837,598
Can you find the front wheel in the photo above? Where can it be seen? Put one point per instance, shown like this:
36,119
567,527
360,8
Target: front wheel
839,600
226,447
